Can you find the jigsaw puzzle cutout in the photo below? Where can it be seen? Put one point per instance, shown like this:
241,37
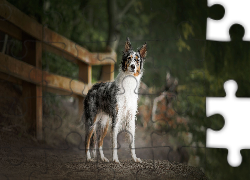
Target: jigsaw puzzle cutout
235,112
235,12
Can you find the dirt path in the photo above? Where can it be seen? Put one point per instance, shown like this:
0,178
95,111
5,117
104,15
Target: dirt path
23,158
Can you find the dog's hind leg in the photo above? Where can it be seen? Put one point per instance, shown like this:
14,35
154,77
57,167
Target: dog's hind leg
93,145
103,132
90,130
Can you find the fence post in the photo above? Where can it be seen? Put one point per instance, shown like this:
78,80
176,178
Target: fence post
85,75
32,93
107,72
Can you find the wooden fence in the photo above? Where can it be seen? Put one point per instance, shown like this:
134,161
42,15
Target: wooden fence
29,73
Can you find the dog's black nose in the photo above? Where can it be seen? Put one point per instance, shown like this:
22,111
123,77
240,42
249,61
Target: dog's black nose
133,66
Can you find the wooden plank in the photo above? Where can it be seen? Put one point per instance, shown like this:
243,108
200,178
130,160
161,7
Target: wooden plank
32,93
21,20
39,93
55,40
107,72
80,106
39,112
64,83
18,68
85,72
31,74
9,78
12,79
85,75
11,30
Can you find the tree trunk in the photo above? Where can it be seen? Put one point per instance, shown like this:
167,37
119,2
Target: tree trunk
113,33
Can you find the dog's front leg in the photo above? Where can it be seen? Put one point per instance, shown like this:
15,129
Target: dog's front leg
131,129
114,133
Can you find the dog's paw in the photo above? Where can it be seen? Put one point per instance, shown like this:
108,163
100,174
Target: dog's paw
116,160
137,160
104,159
90,160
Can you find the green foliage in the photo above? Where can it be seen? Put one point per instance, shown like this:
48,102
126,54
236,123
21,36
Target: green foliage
59,65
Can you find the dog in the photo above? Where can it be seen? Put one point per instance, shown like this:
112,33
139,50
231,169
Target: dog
114,103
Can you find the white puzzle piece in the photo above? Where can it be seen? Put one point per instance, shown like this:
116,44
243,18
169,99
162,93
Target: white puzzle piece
236,12
236,113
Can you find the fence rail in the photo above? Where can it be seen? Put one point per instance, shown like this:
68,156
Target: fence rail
36,38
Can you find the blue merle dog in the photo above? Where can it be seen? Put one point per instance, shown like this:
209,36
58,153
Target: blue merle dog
114,103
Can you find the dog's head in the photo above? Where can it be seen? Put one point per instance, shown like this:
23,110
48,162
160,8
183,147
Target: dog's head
132,61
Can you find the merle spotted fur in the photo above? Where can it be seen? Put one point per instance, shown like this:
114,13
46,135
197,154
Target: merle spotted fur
101,97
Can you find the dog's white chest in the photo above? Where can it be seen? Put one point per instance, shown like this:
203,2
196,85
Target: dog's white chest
130,85
128,94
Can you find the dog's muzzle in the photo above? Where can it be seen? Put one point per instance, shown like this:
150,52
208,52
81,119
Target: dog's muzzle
132,67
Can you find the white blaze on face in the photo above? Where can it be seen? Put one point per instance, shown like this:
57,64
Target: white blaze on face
134,63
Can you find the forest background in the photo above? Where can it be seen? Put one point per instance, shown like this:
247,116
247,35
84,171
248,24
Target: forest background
175,32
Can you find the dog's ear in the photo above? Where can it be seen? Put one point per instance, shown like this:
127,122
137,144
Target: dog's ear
143,50
127,45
